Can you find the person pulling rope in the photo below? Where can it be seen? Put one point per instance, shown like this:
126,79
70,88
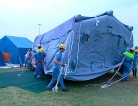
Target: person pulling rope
124,59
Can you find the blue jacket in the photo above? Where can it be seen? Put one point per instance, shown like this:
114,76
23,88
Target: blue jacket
129,57
58,56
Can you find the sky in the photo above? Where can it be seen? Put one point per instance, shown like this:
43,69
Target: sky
21,17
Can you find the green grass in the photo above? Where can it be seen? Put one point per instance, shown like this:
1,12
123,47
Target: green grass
10,69
120,94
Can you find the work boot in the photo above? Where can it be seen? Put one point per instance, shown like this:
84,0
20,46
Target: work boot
135,74
64,90
39,76
48,89
126,80
123,80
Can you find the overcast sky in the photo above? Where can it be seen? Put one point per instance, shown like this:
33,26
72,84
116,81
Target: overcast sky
21,17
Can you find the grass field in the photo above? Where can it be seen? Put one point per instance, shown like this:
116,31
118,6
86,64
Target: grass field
120,94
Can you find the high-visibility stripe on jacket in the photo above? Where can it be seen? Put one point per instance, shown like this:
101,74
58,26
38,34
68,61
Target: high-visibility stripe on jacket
129,55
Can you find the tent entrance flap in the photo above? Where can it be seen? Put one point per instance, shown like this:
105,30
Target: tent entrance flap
2,62
6,56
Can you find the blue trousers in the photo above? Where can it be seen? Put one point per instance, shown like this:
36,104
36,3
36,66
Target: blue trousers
127,70
38,70
25,61
134,67
56,72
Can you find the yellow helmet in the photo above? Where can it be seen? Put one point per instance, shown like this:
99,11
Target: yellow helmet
41,50
136,51
62,46
132,48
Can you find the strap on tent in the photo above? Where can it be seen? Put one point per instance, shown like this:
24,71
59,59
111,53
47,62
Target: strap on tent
97,21
77,59
19,58
66,69
20,63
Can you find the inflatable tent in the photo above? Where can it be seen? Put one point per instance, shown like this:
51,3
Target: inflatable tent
17,47
94,45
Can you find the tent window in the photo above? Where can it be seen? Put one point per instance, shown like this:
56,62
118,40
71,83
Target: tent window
86,36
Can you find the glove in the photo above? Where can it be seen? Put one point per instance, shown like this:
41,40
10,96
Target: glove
63,65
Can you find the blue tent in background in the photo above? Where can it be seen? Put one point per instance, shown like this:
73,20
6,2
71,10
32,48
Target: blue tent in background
2,63
17,47
95,45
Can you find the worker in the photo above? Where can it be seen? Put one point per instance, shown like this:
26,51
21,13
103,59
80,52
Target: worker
29,57
39,63
56,69
129,57
26,59
134,69
38,48
43,52
44,55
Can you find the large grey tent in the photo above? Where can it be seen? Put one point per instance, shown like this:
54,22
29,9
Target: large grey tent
94,45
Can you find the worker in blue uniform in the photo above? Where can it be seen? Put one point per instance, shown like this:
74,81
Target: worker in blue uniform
29,57
56,69
39,63
134,69
43,53
127,64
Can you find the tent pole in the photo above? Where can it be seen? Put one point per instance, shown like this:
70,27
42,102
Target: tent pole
19,58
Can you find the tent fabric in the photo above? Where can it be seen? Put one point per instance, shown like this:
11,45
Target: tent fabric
20,42
2,63
17,47
95,45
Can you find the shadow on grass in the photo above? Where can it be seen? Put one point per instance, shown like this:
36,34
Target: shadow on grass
28,82
25,81
98,80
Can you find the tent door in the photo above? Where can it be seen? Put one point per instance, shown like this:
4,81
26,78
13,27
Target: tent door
98,46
